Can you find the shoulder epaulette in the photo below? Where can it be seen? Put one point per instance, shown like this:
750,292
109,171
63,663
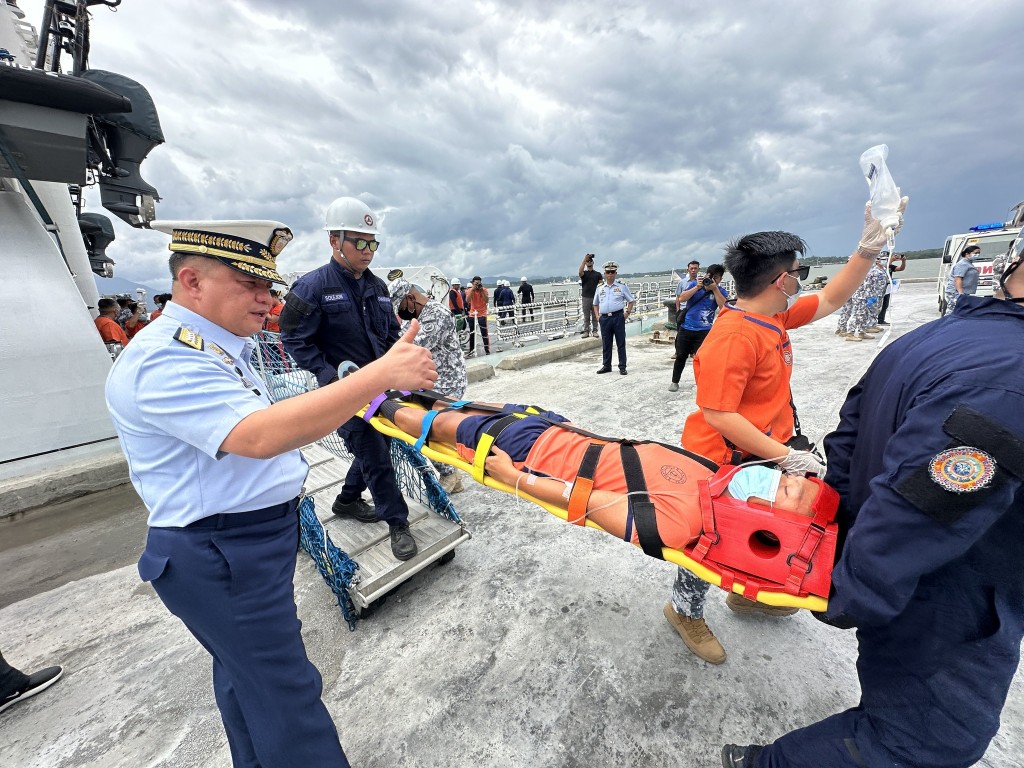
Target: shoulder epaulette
189,338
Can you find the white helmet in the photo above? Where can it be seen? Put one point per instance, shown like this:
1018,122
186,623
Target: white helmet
522,279
456,281
351,215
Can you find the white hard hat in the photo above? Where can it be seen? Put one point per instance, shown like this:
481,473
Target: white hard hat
351,215
456,281
522,279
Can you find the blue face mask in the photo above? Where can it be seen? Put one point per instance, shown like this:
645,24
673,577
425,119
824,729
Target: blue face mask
755,481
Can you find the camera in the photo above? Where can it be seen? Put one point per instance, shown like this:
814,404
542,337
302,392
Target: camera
706,282
590,257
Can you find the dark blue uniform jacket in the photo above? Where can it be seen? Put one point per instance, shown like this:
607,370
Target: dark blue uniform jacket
928,460
330,317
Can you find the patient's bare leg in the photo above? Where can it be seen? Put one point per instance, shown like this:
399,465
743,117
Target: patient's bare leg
410,421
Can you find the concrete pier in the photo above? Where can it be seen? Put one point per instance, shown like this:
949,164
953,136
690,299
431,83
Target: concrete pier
540,644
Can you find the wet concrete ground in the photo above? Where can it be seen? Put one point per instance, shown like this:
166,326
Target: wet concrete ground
541,644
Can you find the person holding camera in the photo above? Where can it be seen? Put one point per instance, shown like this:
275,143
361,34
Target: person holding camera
590,278
745,408
702,302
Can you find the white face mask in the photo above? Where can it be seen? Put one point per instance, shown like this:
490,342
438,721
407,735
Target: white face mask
791,299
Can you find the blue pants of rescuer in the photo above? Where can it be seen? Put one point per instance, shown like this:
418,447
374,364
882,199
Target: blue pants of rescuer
371,468
232,588
614,326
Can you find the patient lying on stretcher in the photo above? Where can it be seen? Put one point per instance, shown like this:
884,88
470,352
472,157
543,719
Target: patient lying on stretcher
538,457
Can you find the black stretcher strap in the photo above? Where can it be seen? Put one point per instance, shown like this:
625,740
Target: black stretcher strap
640,503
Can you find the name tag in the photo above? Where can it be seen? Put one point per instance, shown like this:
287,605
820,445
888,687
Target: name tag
335,297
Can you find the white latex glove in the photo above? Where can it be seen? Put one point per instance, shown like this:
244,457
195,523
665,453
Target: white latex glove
874,236
802,463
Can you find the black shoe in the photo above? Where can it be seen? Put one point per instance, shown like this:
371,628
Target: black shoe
622,371
740,757
604,370
882,323
358,509
403,545
37,682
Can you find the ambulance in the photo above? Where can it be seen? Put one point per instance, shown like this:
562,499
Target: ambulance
993,239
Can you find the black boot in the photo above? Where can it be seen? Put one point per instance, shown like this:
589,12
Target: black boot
403,545
740,757
357,508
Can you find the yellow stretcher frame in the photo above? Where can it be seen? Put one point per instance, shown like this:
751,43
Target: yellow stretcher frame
446,454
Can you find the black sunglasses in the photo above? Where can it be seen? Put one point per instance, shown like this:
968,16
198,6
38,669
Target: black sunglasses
611,271
361,243
800,273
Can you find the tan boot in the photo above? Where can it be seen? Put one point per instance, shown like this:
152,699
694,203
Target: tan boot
740,604
852,337
697,635
873,329
452,483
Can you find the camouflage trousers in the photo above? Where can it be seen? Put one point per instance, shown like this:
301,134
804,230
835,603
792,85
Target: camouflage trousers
689,594
856,315
951,301
443,469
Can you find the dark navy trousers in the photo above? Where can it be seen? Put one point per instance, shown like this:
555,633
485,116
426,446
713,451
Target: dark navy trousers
11,679
232,587
614,326
371,468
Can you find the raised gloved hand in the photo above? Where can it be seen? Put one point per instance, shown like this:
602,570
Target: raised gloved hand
802,463
874,236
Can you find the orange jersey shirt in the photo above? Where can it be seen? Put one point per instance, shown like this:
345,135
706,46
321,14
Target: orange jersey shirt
744,366
478,302
671,478
272,322
110,331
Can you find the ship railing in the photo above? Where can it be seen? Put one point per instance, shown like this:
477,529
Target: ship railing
524,323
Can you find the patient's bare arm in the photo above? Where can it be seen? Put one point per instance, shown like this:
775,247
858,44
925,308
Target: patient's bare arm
605,508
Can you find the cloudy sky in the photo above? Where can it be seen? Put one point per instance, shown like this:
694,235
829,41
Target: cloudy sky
507,138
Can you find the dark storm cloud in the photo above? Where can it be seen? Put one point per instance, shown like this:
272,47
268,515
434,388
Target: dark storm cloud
502,138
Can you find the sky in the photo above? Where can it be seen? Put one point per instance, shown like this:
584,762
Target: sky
512,138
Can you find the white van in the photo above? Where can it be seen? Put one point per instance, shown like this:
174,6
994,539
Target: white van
993,239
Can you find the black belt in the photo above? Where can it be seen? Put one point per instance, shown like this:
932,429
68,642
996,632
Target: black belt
236,519
612,314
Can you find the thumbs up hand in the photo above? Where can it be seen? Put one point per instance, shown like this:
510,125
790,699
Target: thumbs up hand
407,365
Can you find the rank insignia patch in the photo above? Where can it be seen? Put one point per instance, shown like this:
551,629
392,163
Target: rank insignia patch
962,469
189,338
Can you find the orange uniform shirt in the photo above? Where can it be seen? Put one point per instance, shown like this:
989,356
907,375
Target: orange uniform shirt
744,366
110,331
671,478
478,302
272,323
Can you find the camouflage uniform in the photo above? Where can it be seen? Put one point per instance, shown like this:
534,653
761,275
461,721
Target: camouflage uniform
866,301
689,593
437,333
879,280
844,316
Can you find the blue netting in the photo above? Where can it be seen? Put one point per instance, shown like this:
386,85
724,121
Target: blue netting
337,568
417,480
415,476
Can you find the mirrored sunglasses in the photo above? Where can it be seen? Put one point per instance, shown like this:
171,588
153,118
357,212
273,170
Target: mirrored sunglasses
361,243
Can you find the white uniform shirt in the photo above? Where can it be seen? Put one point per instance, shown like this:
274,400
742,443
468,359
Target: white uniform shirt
612,298
173,405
